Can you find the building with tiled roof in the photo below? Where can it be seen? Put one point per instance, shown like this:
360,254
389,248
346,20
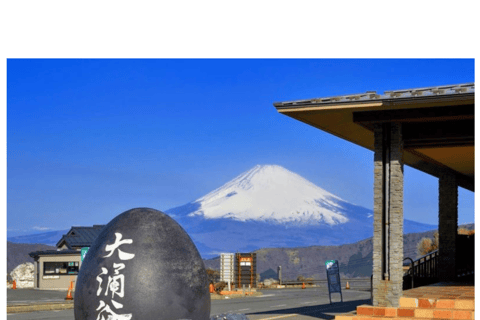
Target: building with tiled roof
430,129
54,269
79,237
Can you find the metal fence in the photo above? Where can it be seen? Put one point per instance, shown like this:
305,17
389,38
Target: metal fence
355,283
423,271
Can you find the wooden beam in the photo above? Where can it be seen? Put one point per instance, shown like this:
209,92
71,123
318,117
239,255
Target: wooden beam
434,168
416,115
439,133
322,107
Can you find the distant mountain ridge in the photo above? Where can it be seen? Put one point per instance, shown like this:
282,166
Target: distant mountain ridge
48,238
17,253
355,259
266,207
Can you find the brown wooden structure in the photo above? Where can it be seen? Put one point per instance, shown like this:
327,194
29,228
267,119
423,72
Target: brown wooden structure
246,270
430,129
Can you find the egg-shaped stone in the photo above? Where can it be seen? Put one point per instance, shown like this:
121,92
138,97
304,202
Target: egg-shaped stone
143,265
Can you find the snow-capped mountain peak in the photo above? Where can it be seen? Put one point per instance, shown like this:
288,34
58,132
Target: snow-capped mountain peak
272,193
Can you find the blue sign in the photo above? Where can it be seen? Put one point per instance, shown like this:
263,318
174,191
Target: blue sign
333,277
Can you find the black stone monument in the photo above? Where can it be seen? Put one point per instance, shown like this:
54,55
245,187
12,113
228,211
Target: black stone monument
143,265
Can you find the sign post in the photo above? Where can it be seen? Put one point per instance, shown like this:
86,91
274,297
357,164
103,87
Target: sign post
333,276
83,252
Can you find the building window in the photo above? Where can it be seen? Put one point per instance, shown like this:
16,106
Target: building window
59,268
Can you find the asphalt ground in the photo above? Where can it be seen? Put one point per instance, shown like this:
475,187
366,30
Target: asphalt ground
290,304
293,304
32,296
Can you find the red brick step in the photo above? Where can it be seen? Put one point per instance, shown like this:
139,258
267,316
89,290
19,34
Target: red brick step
414,308
438,301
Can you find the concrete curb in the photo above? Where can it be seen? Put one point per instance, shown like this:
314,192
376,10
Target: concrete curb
20,308
214,296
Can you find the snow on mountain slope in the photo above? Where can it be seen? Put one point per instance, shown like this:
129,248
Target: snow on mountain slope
274,194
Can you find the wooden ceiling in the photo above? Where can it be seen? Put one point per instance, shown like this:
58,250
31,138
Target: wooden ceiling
438,132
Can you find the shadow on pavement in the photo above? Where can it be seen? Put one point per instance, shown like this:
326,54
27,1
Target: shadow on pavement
324,311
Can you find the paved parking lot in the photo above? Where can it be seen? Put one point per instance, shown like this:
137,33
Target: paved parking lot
34,296
290,304
311,303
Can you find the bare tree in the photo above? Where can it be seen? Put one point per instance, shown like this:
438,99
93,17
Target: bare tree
213,275
427,245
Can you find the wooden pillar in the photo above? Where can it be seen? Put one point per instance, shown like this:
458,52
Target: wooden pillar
388,215
447,226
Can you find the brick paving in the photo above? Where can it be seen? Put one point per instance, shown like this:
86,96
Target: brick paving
438,301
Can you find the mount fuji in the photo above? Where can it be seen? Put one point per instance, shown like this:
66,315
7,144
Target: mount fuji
270,206
265,207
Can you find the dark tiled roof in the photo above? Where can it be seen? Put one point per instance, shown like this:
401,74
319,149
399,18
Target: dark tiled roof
450,90
52,252
80,236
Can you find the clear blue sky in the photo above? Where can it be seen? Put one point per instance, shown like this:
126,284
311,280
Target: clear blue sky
89,139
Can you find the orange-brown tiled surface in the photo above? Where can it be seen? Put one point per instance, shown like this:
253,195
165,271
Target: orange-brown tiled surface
438,301
442,291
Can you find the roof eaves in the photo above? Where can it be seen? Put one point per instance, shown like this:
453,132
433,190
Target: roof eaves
59,243
394,95
53,252
82,236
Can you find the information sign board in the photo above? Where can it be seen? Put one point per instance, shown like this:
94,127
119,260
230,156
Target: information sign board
333,277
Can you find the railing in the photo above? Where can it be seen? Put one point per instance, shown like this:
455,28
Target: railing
422,271
355,283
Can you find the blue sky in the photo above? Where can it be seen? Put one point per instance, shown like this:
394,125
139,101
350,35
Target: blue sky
89,139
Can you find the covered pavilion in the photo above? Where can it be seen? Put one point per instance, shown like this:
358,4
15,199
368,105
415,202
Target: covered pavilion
430,129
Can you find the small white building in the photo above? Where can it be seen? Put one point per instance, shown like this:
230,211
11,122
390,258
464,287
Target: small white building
54,269
226,267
